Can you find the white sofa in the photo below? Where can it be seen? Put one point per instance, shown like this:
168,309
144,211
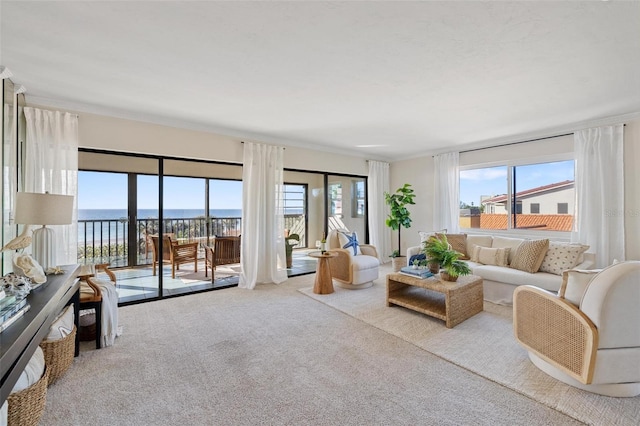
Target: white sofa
501,281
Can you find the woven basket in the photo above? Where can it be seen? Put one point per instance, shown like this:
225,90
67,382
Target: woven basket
26,406
58,355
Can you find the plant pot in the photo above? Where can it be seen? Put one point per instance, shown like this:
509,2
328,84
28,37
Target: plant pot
434,268
398,263
446,277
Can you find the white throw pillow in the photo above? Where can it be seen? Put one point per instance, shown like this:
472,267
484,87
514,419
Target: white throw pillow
32,372
425,235
562,256
62,326
490,256
349,242
574,284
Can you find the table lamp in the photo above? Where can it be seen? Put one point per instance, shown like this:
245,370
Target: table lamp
44,209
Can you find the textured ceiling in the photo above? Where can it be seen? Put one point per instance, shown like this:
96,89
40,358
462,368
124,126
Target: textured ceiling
385,80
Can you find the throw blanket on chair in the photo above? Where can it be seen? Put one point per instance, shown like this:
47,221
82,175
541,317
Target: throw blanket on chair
109,313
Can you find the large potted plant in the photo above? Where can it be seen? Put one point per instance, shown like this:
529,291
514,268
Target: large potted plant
399,216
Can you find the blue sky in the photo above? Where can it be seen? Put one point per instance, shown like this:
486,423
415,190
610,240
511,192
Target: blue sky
98,190
493,180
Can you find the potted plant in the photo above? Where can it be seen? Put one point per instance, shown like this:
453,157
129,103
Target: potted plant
438,251
290,242
399,216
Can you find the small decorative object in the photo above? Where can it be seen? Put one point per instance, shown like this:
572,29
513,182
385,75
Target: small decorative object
323,244
291,241
15,285
416,264
30,268
56,270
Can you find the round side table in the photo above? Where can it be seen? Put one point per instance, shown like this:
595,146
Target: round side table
324,282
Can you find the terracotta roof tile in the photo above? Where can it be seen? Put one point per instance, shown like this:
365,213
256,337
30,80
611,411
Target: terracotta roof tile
503,197
548,222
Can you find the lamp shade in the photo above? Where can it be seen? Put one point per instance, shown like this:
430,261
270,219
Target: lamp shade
43,209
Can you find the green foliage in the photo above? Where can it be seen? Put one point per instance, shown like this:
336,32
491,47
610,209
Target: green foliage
399,215
290,242
438,250
395,253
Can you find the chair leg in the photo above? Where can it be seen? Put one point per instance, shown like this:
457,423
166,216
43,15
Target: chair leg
154,269
98,325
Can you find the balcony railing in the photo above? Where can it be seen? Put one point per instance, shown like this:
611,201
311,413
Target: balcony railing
107,240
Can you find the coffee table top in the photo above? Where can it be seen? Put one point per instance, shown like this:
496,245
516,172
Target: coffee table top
435,282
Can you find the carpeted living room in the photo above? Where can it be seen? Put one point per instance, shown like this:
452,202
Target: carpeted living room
329,146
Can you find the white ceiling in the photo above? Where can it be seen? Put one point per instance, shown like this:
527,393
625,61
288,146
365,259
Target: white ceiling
386,80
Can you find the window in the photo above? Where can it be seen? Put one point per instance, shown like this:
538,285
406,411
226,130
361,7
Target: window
497,197
335,199
563,208
357,198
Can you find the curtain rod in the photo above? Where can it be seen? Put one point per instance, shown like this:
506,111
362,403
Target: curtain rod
284,147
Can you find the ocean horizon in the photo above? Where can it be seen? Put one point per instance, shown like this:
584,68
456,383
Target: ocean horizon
112,214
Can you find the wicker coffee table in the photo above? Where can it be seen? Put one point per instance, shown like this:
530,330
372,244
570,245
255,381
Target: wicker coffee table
452,302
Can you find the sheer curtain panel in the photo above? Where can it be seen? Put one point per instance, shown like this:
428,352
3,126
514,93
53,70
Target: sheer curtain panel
378,184
599,216
446,190
263,253
51,165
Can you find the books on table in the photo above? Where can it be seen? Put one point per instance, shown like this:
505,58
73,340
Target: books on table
10,313
417,273
13,318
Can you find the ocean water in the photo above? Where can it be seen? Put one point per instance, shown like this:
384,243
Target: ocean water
115,224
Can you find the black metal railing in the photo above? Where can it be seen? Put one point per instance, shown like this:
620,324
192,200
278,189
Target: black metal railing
107,240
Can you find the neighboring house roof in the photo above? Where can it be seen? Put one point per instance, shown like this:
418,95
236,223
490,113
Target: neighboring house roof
549,222
531,192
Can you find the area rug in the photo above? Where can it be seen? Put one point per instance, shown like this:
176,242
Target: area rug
484,344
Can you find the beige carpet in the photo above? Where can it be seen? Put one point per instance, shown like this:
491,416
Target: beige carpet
272,356
483,344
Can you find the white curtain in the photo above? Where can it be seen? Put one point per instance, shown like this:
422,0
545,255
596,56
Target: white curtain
600,192
263,254
446,190
51,165
9,175
378,184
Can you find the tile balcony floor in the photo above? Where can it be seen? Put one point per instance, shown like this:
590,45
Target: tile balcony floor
138,284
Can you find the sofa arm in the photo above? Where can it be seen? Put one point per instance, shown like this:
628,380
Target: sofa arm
556,331
412,251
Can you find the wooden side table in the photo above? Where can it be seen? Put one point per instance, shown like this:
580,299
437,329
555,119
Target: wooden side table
324,282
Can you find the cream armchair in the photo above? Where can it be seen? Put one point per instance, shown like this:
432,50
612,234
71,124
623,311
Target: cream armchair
349,270
588,335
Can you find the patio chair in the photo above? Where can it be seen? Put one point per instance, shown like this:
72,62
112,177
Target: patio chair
173,253
225,251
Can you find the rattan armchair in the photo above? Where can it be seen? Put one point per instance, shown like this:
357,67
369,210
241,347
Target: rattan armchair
592,341
173,253
351,271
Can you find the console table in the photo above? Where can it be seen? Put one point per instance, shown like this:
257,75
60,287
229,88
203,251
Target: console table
20,340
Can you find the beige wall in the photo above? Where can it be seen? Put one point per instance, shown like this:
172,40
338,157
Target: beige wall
116,134
419,173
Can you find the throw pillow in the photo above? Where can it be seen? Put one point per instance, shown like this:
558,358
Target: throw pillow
561,256
349,241
529,255
62,326
418,257
424,235
574,284
458,242
491,256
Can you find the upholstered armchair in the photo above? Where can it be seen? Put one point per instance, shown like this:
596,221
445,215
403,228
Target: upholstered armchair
587,335
356,265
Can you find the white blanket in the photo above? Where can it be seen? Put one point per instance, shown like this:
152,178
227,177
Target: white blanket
109,312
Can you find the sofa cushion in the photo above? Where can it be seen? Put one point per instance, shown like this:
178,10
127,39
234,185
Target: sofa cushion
490,256
506,242
562,256
529,255
425,235
515,277
478,240
349,242
574,284
458,242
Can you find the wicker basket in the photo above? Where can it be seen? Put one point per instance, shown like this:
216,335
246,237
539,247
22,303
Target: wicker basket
26,406
58,355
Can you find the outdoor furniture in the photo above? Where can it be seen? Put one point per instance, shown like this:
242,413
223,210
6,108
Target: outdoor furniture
225,251
587,335
91,294
173,253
